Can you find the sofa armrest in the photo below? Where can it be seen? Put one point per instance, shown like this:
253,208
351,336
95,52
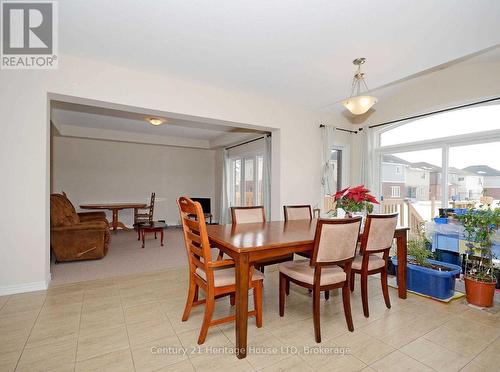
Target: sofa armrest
83,226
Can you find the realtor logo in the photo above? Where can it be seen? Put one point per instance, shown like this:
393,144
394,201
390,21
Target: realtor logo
29,35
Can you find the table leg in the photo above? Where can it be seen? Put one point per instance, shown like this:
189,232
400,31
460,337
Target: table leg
242,272
115,220
143,236
401,255
161,237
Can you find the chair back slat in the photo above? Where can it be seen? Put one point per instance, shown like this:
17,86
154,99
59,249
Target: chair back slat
335,240
379,232
297,212
248,214
195,236
152,207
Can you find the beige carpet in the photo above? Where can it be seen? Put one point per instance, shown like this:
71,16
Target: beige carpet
125,256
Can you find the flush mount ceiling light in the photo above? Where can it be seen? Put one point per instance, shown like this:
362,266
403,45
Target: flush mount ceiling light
357,103
155,121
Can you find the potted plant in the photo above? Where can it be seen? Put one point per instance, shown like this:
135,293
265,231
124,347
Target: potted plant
426,276
355,200
479,275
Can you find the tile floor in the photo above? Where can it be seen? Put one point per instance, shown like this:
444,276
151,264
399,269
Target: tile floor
133,323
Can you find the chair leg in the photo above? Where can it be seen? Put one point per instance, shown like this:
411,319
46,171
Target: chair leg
364,294
316,318
192,296
351,283
209,309
346,299
282,290
232,299
287,288
257,300
196,292
385,288
327,295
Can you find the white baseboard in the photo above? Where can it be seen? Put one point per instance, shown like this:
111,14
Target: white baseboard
24,287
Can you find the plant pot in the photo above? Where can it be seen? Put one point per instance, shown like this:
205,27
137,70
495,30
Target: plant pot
479,293
431,282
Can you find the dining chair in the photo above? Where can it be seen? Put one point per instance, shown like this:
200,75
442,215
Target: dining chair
376,243
297,212
255,214
215,277
334,249
248,214
145,214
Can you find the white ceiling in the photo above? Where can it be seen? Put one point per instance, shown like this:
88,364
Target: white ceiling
294,50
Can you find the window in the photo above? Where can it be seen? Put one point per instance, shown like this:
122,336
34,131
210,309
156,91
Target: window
247,187
461,178
395,191
397,170
336,161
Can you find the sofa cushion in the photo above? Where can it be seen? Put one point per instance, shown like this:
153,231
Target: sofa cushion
62,212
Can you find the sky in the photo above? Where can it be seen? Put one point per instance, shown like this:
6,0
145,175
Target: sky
452,123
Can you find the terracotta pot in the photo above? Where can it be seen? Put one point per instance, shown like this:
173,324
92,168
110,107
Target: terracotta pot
479,293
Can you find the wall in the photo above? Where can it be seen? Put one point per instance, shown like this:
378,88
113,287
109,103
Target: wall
24,145
96,171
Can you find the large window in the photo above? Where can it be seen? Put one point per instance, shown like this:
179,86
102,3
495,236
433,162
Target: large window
247,181
441,161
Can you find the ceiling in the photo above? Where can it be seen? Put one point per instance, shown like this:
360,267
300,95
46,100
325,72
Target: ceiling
96,122
298,51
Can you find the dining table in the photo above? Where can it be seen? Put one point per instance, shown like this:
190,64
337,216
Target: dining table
249,243
114,208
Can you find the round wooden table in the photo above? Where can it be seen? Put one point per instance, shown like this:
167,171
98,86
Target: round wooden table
149,227
114,208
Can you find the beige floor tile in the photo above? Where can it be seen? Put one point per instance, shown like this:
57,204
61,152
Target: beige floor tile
64,298
149,330
23,302
137,297
434,356
291,364
97,342
476,367
20,320
57,356
215,338
264,349
397,361
212,362
3,301
490,356
54,331
8,360
120,360
333,362
59,312
110,317
182,366
158,354
100,303
144,312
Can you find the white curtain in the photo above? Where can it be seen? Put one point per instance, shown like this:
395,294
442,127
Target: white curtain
327,175
367,158
224,197
266,176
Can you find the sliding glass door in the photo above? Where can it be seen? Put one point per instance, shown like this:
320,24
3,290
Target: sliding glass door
246,181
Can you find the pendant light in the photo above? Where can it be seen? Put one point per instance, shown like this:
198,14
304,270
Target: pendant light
359,104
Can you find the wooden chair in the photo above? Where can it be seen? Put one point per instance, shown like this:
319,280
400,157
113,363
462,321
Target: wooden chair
377,239
335,244
255,214
146,216
297,212
215,278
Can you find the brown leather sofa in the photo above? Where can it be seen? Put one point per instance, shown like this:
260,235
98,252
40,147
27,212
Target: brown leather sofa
76,236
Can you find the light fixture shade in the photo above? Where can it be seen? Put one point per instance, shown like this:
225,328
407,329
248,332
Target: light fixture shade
155,121
359,104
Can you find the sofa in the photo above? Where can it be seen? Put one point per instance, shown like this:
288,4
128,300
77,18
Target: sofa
76,236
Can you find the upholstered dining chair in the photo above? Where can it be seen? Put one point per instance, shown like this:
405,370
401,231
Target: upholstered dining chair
248,214
255,214
376,243
335,243
297,212
215,277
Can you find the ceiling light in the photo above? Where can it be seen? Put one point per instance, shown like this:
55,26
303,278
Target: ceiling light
155,121
359,104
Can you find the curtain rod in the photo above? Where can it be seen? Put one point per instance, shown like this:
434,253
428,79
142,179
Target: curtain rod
343,130
435,112
250,141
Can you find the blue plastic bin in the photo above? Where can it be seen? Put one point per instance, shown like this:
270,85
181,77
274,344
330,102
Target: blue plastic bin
441,220
429,282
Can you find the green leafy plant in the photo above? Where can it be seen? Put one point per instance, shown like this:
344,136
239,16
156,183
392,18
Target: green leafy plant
418,250
480,226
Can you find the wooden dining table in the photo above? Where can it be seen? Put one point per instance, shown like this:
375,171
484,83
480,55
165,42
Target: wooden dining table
252,242
114,208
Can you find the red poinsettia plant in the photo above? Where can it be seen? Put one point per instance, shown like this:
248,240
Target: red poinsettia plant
355,199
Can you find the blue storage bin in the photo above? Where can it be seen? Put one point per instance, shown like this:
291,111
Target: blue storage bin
449,257
441,220
429,282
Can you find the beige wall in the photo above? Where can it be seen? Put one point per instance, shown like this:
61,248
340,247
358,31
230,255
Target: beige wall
94,171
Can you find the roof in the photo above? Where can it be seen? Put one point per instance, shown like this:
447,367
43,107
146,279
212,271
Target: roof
483,170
